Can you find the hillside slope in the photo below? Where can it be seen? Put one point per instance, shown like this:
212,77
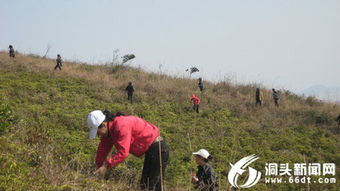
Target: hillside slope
43,133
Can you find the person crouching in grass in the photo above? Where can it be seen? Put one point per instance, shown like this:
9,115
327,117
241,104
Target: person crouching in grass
129,134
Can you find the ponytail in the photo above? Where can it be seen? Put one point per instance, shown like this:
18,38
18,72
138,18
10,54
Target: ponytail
110,116
119,113
208,159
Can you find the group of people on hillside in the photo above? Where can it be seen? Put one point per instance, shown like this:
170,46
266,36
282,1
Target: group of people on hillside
131,134
259,98
11,54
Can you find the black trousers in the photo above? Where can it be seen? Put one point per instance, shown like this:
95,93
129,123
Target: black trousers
130,97
58,66
151,179
258,102
196,108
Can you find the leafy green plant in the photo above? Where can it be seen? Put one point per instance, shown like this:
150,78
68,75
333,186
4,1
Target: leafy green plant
6,118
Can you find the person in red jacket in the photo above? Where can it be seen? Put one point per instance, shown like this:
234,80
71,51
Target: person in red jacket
196,102
129,134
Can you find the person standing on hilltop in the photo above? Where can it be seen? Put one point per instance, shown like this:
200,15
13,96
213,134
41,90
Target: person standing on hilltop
200,84
205,179
129,89
259,97
11,51
338,120
196,102
129,134
276,97
59,62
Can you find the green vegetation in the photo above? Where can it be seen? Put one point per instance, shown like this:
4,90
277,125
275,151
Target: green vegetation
43,132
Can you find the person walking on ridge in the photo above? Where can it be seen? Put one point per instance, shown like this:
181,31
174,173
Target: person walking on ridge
59,62
11,51
200,84
129,89
276,97
259,97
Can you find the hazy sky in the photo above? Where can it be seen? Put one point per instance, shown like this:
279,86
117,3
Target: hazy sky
283,43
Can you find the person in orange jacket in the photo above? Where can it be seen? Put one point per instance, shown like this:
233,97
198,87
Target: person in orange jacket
196,102
129,134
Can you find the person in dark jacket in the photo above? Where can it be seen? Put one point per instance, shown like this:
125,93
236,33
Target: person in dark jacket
59,62
259,97
200,84
338,120
205,179
129,89
276,97
129,135
11,51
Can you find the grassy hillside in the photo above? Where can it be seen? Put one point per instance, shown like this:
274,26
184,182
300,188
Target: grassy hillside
43,132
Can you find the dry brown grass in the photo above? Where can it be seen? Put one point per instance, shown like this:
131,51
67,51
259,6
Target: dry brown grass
160,87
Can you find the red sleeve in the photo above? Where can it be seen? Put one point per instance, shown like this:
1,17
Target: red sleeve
103,150
122,144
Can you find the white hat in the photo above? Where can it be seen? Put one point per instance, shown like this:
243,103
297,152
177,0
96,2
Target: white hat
94,119
203,153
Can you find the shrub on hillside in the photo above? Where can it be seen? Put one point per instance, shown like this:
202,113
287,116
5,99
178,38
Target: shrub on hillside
312,101
6,118
320,117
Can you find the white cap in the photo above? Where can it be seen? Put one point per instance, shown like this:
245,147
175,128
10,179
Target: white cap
203,153
94,119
